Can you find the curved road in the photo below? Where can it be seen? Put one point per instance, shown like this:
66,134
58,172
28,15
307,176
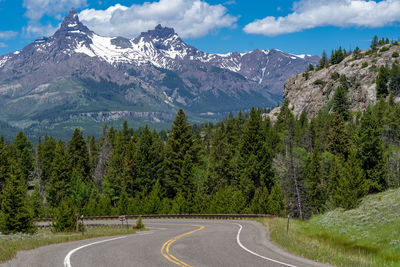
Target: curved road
171,242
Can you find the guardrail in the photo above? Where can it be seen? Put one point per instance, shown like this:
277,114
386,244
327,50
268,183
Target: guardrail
172,216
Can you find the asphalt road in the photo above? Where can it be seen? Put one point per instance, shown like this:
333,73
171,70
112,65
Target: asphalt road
170,242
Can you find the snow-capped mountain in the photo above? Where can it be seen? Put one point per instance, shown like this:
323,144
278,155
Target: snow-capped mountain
78,72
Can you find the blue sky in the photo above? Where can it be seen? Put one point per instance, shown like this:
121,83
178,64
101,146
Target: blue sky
299,27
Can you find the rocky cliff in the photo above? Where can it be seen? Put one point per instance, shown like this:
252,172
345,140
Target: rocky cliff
313,90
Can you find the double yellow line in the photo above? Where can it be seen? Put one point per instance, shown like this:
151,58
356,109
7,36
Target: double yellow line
165,247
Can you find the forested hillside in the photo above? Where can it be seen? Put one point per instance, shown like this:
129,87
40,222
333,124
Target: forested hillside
244,164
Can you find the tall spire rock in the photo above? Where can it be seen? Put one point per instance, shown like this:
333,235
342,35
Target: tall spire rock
71,23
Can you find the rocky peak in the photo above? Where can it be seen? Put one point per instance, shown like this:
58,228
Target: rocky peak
159,32
72,24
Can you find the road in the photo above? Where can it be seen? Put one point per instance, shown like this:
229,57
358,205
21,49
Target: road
171,242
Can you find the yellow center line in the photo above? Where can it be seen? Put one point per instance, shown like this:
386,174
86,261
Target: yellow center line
166,246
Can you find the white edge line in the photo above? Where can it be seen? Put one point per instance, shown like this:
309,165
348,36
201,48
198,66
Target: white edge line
255,254
67,259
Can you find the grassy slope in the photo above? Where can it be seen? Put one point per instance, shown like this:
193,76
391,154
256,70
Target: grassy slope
11,244
366,236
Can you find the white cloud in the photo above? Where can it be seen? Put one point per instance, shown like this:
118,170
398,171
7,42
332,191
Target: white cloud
2,45
190,18
309,14
5,35
36,9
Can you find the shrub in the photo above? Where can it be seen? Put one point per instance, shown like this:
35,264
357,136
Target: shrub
65,217
139,223
320,82
395,54
364,65
335,75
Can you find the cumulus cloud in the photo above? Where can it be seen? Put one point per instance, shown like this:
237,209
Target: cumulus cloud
36,9
190,18
5,35
309,14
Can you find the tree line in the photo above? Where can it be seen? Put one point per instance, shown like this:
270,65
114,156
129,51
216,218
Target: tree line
243,164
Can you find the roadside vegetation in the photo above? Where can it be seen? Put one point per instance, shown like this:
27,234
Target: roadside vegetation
365,236
11,244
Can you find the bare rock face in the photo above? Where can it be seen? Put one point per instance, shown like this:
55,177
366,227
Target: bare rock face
314,92
75,72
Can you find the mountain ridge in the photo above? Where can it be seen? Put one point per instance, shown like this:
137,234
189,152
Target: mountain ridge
76,71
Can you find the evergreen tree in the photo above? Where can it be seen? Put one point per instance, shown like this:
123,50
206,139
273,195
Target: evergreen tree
374,43
394,84
220,173
339,142
371,152
324,61
4,164
152,203
35,202
116,175
15,215
46,157
276,203
78,153
351,185
381,82
181,153
24,154
341,104
315,181
65,217
59,184
148,161
259,204
123,202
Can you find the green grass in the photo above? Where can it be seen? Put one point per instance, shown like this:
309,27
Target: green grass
366,236
11,244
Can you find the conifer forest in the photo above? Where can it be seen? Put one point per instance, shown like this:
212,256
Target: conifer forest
244,164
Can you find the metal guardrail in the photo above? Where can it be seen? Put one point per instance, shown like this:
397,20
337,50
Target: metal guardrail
172,216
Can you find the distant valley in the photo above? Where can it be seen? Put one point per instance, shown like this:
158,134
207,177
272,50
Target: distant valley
77,78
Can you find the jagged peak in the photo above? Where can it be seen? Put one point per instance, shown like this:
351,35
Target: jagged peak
71,22
71,19
159,32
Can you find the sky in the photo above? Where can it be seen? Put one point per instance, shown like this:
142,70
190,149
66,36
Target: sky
298,27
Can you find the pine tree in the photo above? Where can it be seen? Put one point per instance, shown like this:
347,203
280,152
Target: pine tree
46,157
374,43
79,156
148,161
181,153
341,104
324,61
116,173
381,82
4,164
394,83
371,152
315,181
15,215
351,185
24,154
276,203
65,217
59,184
339,142
259,204
152,203
35,202
123,202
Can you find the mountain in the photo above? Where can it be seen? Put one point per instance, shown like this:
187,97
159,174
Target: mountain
77,78
313,91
